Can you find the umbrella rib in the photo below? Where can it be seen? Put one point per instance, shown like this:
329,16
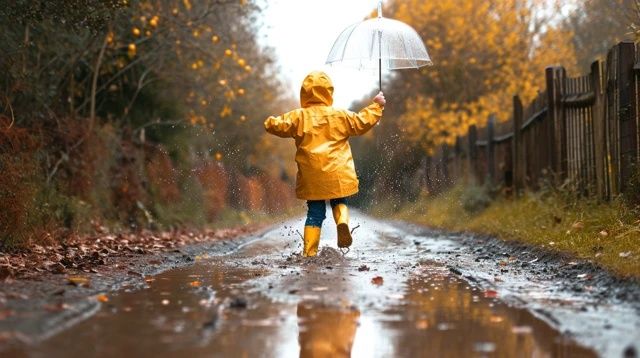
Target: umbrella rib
410,56
344,47
373,44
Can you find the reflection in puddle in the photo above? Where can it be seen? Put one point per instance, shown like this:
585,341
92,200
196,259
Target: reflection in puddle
192,312
444,316
325,331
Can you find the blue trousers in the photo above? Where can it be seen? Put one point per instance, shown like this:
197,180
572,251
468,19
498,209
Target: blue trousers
317,211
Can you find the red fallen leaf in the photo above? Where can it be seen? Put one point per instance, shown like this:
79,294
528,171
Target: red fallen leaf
378,280
5,314
102,298
56,307
195,283
490,294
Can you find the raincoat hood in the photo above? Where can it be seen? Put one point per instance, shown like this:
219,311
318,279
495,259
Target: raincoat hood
317,89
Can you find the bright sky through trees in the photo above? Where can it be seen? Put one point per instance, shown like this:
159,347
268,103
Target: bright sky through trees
302,33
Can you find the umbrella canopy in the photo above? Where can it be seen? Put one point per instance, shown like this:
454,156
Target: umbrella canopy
380,42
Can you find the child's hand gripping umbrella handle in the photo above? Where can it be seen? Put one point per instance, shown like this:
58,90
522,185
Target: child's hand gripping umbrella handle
379,99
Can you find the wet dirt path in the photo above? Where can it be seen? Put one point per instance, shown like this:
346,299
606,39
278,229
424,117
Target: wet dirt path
393,294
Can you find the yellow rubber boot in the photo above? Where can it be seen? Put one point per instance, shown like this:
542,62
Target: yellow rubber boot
311,241
341,216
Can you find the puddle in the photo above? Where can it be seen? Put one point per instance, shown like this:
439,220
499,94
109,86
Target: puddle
263,302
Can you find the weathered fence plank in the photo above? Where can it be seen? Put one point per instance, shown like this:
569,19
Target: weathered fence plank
599,133
518,148
626,109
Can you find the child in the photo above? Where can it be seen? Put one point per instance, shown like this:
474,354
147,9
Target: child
325,165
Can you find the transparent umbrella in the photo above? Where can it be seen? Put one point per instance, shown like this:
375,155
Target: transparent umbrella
380,42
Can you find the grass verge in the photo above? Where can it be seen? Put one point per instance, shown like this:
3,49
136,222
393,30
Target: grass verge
607,234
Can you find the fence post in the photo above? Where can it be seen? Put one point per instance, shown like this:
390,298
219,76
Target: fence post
552,114
599,136
555,112
491,150
517,149
626,112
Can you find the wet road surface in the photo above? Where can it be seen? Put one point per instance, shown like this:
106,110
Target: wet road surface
387,297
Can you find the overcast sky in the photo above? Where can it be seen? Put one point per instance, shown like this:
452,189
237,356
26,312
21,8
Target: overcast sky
302,33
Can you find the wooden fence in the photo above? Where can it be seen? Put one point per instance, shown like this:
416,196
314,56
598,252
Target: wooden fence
580,131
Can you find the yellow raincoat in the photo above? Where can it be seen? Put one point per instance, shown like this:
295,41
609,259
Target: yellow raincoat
321,133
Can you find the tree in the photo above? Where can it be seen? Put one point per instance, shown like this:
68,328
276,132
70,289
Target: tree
597,25
125,100
485,52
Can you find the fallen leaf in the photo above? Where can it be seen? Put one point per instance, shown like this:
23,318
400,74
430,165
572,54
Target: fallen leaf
195,283
57,268
577,225
102,298
56,307
78,281
422,324
496,319
378,280
6,272
5,314
490,294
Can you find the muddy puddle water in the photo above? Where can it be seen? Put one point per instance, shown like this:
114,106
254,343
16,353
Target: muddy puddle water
263,301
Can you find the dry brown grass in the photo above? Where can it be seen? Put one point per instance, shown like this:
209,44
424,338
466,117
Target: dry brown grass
607,233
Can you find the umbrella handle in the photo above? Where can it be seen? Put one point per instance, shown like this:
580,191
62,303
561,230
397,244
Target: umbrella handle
380,58
380,48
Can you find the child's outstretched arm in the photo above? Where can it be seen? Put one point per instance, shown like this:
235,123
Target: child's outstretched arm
284,126
359,123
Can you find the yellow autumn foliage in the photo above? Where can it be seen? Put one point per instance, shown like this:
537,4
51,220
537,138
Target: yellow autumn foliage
485,52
